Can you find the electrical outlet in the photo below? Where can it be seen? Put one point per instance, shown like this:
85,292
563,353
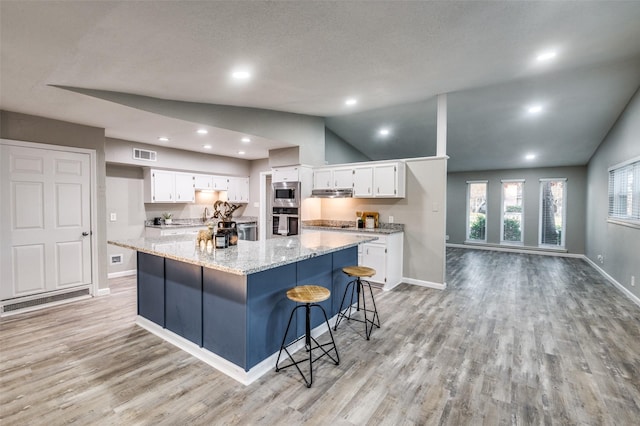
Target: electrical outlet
601,259
390,219
112,217
633,280
446,238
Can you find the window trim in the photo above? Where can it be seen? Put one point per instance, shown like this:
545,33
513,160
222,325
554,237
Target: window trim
631,222
502,212
563,236
466,237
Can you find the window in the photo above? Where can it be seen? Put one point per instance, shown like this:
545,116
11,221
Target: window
477,211
624,192
552,212
512,211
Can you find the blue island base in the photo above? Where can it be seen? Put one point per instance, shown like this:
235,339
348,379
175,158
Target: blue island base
234,323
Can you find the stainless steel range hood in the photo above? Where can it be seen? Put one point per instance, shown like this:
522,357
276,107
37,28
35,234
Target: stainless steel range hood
332,193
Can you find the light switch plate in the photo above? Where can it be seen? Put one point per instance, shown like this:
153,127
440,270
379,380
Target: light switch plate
112,217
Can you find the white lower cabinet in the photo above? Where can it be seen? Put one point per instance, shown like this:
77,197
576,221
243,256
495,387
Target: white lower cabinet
385,256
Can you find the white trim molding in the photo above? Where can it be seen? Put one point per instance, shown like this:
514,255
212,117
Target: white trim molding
423,283
518,249
103,292
613,281
224,366
122,273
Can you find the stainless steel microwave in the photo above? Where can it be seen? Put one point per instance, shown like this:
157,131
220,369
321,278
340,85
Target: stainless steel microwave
286,194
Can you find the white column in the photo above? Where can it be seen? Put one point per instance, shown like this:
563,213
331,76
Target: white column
441,137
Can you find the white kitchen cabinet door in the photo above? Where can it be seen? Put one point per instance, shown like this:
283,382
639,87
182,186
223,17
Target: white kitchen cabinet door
363,182
385,180
375,256
285,174
323,179
163,186
185,192
220,183
343,178
203,182
238,190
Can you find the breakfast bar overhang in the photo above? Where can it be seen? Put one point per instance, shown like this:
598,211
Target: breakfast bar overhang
228,307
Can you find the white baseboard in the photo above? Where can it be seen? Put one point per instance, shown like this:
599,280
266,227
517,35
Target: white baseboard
224,366
121,273
103,292
515,249
613,281
422,283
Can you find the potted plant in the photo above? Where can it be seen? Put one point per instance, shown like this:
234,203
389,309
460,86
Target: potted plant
167,218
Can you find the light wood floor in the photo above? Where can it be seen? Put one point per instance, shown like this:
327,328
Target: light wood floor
515,339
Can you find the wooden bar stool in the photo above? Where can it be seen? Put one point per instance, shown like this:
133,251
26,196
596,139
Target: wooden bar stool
310,296
359,272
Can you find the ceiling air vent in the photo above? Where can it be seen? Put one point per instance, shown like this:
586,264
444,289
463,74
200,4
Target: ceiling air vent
144,154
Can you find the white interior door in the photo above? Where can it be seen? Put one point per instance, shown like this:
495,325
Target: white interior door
45,220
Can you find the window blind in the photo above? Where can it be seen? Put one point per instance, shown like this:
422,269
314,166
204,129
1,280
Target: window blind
624,191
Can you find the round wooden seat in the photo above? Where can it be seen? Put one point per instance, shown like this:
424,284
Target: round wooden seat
359,271
308,294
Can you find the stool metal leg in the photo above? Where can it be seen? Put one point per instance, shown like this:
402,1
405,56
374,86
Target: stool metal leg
309,347
368,323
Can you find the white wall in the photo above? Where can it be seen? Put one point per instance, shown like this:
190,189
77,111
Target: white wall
620,245
423,212
576,202
121,152
339,151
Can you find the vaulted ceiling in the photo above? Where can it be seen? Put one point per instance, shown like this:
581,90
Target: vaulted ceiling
308,57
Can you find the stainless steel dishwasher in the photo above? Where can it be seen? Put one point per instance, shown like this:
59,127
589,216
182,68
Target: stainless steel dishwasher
248,231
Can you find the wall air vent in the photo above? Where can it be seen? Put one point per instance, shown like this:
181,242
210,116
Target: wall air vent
144,154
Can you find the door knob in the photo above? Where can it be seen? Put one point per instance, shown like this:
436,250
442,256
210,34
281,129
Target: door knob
84,234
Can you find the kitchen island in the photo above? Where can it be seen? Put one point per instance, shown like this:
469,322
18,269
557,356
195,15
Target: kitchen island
228,307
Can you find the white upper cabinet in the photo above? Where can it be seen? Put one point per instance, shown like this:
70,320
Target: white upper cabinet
185,192
162,187
220,183
209,182
363,182
381,180
286,174
322,179
333,178
343,178
238,191
165,186
203,182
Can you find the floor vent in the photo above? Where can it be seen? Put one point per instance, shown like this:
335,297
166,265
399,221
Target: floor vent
144,154
44,300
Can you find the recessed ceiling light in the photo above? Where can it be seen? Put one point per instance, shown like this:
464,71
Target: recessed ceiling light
384,132
530,157
163,139
351,101
202,131
206,146
245,140
546,55
534,109
241,75
241,152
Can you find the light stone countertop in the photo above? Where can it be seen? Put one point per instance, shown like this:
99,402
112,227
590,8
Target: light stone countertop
386,230
247,257
197,223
